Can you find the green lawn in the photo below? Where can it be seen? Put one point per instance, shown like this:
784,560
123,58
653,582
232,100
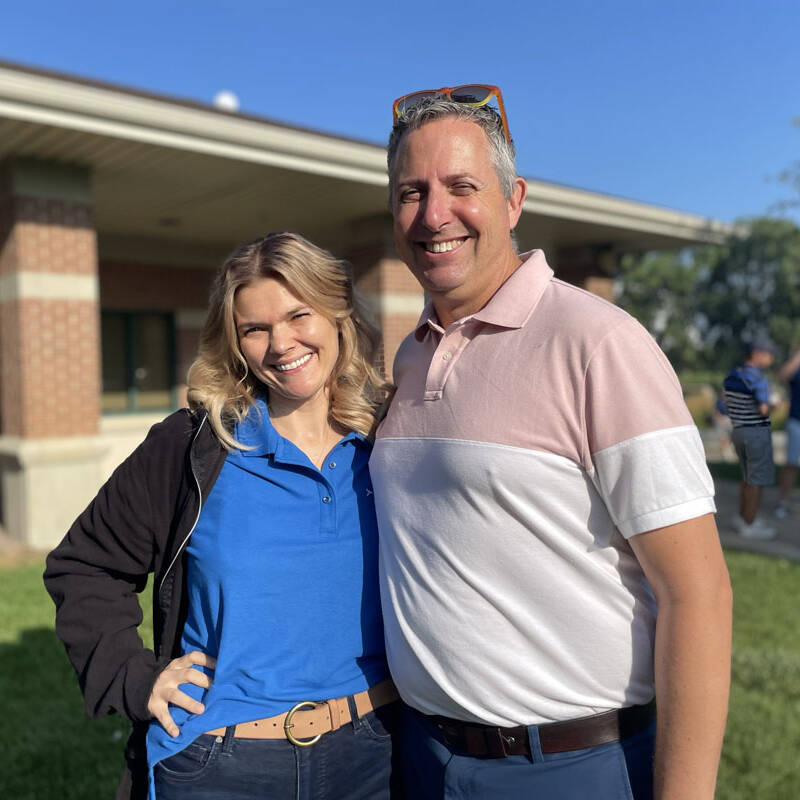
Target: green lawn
760,757
50,750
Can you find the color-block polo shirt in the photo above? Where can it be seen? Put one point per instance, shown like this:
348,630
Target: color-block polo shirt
524,446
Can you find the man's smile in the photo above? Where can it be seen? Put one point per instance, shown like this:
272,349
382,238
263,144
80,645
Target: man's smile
443,247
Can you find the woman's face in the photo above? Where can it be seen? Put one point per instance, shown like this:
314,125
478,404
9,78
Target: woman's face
288,346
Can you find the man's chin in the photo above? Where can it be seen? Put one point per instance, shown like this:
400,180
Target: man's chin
438,278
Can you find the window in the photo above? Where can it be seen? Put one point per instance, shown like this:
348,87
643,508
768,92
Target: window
138,361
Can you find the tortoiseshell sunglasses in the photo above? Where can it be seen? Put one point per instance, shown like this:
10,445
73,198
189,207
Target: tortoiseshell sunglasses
471,94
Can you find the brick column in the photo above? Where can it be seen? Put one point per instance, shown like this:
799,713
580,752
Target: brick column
591,268
393,293
49,348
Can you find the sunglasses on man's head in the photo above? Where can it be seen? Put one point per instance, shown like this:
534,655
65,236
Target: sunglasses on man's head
471,94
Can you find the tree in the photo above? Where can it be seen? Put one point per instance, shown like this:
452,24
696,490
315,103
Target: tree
751,286
703,304
658,288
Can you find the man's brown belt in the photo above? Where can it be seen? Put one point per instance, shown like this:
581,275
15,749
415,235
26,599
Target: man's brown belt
555,737
307,721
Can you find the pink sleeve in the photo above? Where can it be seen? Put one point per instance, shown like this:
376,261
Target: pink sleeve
644,453
630,389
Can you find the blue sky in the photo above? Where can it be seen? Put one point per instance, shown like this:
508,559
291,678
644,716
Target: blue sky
684,104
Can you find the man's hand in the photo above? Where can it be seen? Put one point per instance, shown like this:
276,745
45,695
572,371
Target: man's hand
166,691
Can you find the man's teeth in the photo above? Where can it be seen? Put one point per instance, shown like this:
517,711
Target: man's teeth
293,364
443,247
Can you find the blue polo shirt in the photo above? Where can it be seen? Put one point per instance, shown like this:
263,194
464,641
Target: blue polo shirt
282,581
746,388
794,385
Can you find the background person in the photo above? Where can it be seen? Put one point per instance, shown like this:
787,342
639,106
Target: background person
790,372
747,398
541,494
254,512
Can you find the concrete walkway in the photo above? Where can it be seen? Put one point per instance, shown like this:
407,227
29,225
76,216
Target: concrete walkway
787,542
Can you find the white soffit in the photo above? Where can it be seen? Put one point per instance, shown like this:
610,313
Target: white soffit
61,103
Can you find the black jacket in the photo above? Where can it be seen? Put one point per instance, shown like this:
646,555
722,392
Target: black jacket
138,524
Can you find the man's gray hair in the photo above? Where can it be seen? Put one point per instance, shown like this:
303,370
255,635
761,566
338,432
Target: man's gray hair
501,150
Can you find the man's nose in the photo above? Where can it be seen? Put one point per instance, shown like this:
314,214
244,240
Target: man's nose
435,212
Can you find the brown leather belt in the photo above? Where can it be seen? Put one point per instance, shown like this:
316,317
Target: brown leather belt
486,741
310,719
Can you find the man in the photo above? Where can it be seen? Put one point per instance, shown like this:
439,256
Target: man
747,398
536,475
790,372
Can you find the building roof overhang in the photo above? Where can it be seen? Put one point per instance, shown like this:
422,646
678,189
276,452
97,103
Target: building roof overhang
179,171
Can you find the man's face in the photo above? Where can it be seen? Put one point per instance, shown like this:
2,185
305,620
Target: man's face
762,358
451,221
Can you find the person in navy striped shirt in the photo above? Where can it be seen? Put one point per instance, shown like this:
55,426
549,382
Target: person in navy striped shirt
747,398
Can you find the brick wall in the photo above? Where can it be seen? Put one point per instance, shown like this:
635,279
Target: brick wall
50,377
391,288
49,324
127,286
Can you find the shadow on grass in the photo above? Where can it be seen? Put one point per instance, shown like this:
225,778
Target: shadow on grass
50,748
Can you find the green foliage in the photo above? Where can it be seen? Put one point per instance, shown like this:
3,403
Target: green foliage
658,289
701,304
751,286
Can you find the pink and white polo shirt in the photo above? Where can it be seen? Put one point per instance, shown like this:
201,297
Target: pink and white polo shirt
524,446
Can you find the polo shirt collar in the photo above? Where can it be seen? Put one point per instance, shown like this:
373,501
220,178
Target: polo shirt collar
257,431
511,305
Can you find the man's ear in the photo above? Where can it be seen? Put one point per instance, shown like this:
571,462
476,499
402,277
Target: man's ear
515,202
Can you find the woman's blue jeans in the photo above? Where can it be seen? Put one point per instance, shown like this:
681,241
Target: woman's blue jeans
351,763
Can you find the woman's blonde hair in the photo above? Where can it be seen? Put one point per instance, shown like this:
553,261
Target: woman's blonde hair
219,379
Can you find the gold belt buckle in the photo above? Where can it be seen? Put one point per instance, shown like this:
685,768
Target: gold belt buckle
287,724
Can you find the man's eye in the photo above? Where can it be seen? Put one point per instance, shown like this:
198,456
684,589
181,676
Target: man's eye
463,188
410,195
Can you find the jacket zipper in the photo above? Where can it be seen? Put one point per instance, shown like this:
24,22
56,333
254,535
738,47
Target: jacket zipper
199,509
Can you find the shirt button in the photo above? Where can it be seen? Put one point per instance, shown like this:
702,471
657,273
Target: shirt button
326,499
447,356
332,464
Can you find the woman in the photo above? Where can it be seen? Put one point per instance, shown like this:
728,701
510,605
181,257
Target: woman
254,511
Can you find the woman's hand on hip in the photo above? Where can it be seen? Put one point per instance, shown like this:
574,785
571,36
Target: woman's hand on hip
166,691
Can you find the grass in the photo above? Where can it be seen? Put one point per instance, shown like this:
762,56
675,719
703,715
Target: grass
51,750
759,759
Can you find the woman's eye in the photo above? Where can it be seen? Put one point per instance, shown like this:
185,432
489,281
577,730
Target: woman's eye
302,314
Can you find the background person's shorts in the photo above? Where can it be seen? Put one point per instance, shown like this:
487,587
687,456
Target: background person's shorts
753,445
792,441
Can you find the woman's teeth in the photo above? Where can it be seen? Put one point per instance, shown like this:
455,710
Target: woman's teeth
293,364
